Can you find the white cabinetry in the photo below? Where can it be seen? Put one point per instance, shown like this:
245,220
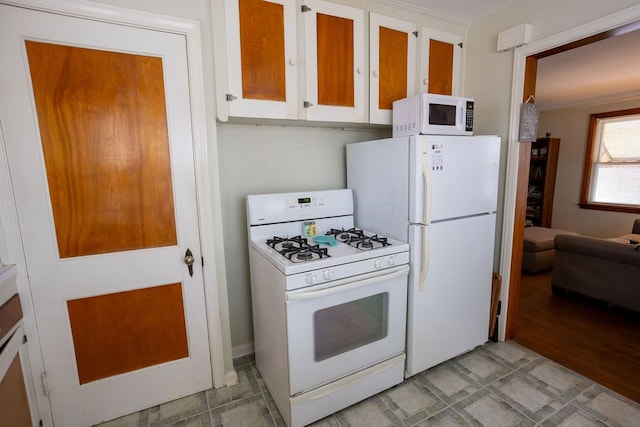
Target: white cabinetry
334,62
307,60
392,61
441,56
261,58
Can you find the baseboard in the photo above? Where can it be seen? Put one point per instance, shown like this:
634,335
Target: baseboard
242,350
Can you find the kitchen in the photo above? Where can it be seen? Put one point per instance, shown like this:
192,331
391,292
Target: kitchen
300,157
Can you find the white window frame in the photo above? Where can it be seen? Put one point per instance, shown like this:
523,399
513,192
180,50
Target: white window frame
593,164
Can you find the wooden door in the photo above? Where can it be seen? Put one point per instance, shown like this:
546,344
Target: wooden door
261,58
440,64
334,57
392,53
97,126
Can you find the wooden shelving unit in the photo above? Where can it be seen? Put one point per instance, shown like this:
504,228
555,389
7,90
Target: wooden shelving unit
542,181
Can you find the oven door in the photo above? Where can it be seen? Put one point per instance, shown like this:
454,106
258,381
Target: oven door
355,323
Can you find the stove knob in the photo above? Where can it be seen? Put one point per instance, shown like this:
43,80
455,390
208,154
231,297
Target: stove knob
378,263
327,274
310,278
392,260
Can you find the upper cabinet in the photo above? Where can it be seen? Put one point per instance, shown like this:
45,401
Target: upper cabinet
308,60
334,62
392,63
261,58
440,63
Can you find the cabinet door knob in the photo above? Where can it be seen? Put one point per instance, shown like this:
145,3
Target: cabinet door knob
292,61
359,70
375,73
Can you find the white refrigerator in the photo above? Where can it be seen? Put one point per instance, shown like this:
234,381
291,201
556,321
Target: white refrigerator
439,193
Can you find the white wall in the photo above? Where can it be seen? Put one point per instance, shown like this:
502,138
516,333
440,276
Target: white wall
571,125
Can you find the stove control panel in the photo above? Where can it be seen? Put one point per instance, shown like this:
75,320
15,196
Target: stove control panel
315,277
323,276
286,207
385,262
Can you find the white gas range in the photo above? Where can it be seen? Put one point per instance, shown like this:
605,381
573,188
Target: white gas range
329,311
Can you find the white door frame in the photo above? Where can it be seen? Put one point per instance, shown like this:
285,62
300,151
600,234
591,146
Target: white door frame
609,22
208,195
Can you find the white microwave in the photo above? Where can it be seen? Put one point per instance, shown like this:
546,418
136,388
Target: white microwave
431,114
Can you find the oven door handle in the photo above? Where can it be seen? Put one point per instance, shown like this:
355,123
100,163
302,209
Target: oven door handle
349,283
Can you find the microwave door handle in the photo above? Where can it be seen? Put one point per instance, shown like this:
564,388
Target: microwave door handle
349,283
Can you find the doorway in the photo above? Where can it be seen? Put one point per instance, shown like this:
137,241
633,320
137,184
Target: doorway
519,154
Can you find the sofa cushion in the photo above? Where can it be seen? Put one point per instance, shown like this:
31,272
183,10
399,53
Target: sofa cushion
598,248
537,239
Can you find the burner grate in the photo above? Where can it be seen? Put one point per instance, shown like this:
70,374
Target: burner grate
297,249
358,239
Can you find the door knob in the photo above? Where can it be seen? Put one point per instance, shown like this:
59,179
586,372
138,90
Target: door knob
188,259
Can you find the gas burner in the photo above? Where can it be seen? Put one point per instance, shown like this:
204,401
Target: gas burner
358,239
287,243
297,249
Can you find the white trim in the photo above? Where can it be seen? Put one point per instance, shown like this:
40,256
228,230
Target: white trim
208,194
609,22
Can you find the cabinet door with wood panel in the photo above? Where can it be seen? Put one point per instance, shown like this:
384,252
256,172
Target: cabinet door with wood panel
334,62
18,406
542,181
392,62
440,62
261,58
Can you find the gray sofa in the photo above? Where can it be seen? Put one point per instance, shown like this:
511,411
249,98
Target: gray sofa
607,270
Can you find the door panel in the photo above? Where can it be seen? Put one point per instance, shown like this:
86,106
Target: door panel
335,61
109,331
392,58
393,66
441,62
262,50
104,139
99,147
440,67
261,58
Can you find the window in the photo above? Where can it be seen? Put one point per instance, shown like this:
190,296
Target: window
611,177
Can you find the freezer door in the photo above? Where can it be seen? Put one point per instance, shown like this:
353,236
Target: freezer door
462,175
448,314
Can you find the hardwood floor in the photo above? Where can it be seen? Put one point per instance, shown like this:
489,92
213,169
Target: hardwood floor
597,342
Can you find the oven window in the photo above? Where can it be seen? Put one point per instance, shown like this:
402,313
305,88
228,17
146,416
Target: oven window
340,328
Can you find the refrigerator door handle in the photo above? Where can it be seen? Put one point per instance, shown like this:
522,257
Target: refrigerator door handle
426,177
425,259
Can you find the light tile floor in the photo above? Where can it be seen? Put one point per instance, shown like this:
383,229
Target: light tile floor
498,384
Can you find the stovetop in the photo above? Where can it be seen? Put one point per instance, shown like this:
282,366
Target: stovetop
293,254
299,249
276,222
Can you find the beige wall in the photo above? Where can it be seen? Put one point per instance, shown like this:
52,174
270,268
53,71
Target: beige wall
571,125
